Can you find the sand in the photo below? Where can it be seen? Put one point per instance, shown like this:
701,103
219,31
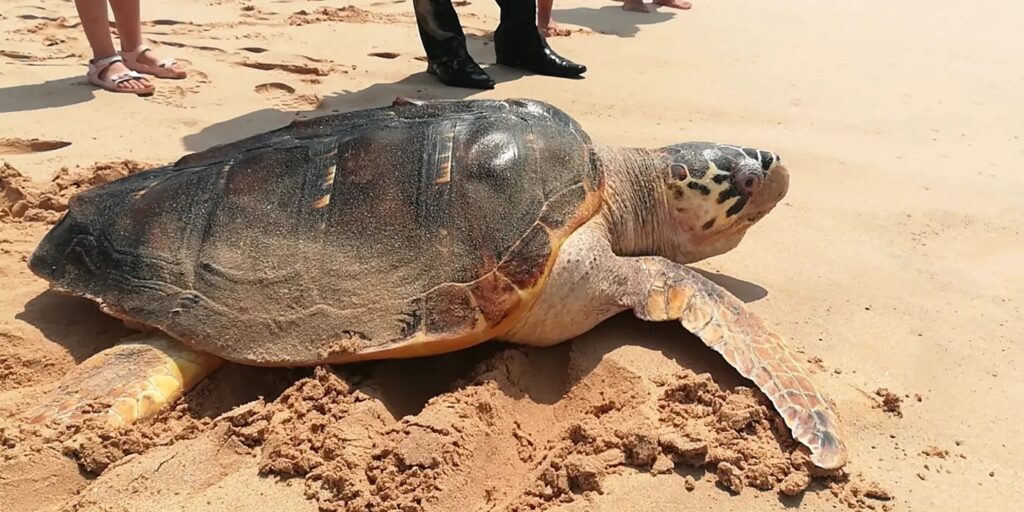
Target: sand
889,266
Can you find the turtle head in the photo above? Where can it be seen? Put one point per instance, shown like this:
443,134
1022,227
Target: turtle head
715,192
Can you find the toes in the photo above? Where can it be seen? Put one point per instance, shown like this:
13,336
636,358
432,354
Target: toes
134,84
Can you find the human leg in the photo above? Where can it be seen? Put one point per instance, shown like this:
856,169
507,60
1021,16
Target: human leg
104,71
137,56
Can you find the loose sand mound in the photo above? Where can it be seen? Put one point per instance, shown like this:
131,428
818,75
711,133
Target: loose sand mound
21,199
493,428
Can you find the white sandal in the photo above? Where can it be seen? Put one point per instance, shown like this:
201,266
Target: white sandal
162,69
113,83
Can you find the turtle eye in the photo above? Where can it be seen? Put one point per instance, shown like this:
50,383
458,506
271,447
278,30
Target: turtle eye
679,171
748,182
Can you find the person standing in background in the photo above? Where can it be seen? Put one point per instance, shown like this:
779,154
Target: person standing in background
549,28
638,5
121,71
517,43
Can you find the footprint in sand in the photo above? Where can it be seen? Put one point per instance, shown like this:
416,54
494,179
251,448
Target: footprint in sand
283,97
10,54
298,69
253,49
33,17
44,28
174,95
175,44
28,57
348,14
177,28
274,87
26,146
199,76
384,55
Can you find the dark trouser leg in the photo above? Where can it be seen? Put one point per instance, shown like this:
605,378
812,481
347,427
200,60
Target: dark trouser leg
445,44
518,44
517,15
440,29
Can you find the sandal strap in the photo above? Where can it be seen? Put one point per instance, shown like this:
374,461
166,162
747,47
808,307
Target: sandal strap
105,62
124,77
143,48
137,52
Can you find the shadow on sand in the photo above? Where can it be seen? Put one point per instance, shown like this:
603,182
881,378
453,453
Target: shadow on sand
74,323
415,86
743,290
611,19
403,385
50,94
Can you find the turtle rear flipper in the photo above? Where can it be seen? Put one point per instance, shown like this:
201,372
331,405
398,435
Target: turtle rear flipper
670,291
131,380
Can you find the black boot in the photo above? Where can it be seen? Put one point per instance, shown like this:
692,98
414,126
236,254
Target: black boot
461,71
518,44
540,59
445,44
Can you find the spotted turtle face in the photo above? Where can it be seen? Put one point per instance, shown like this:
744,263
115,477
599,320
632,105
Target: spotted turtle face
717,191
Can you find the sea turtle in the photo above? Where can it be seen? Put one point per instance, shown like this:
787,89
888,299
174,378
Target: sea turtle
413,229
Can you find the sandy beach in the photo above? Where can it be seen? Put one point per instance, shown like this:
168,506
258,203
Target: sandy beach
889,266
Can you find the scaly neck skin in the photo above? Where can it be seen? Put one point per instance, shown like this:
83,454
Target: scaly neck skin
635,202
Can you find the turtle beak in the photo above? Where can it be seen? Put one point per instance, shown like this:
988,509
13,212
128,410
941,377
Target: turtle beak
776,184
70,245
45,261
772,189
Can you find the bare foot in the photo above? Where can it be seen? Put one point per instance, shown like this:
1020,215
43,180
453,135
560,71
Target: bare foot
635,6
675,4
553,30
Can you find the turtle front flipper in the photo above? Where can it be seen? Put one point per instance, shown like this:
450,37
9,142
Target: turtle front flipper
670,291
131,380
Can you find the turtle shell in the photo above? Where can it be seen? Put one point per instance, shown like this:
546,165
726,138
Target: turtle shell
408,230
